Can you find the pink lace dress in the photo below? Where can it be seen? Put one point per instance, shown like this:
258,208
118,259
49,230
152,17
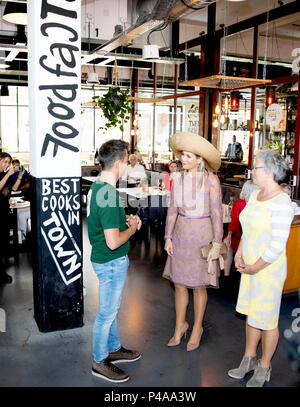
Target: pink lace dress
194,220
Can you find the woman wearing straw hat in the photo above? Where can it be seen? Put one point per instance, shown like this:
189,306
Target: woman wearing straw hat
194,221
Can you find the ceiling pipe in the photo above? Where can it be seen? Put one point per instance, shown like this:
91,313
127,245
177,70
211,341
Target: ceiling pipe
164,10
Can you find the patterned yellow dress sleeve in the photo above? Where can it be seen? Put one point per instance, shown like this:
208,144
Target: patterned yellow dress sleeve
266,227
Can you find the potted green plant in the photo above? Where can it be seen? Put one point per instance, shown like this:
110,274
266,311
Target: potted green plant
115,106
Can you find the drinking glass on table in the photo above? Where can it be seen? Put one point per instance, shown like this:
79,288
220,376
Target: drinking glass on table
145,186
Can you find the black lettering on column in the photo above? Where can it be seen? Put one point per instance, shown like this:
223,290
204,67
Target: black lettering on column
56,71
56,88
57,227
71,63
73,133
57,143
67,116
49,8
45,26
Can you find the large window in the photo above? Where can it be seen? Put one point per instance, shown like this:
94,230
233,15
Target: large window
14,120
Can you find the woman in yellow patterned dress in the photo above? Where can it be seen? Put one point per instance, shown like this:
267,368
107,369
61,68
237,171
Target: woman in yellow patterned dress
261,259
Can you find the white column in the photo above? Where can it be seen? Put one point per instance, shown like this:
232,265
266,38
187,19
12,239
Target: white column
54,65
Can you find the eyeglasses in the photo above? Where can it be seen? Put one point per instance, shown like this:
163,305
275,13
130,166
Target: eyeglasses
256,168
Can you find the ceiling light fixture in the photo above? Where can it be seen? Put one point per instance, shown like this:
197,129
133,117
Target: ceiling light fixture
15,13
3,65
150,52
92,77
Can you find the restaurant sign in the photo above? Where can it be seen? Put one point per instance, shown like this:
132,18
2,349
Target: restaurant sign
274,114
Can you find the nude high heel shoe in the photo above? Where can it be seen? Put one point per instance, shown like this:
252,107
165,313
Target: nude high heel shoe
173,342
193,346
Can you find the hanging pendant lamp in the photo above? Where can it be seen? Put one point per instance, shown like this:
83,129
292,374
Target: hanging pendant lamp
270,96
15,13
234,101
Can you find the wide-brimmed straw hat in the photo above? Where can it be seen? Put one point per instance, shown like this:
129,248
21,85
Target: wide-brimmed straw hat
198,145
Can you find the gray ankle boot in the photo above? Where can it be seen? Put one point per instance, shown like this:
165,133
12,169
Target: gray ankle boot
259,377
247,364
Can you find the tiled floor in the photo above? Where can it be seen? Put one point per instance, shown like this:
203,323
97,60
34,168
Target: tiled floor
146,322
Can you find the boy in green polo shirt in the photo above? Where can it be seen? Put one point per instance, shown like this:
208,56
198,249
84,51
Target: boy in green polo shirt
109,232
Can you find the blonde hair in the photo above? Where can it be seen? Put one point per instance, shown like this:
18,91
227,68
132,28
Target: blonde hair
200,171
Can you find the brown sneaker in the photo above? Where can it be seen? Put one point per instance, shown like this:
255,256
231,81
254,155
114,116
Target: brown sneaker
107,371
123,355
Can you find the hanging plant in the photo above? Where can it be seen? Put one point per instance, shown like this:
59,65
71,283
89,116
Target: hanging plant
115,106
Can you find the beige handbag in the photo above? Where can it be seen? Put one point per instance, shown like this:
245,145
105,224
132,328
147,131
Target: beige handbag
206,249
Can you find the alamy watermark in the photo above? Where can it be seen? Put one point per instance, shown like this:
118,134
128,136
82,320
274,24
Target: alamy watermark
190,195
295,327
2,320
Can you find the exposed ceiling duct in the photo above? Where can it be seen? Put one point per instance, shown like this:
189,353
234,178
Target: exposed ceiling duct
144,18
146,15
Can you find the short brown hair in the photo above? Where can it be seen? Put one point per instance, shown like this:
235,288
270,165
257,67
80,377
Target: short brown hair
111,151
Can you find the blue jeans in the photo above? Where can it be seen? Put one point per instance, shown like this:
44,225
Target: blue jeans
111,277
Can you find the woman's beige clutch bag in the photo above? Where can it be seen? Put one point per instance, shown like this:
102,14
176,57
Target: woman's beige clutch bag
206,249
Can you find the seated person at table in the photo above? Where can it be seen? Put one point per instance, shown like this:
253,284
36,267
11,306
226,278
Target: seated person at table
24,186
134,171
168,177
234,151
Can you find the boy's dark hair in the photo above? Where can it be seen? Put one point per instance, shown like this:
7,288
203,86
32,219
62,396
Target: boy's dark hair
15,161
110,152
